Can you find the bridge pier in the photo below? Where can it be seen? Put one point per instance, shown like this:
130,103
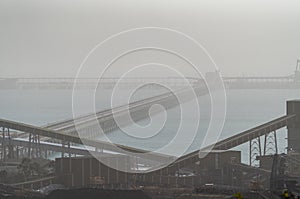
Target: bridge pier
293,138
6,148
254,151
270,144
34,146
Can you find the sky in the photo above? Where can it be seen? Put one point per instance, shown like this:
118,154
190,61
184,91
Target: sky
51,38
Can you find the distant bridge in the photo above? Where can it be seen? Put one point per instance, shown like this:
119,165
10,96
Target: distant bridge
246,82
89,83
280,82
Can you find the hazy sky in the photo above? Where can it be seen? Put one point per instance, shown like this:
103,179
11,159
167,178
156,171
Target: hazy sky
51,38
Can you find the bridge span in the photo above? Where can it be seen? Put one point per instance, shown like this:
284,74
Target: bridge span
89,124
234,82
231,82
138,111
65,133
238,139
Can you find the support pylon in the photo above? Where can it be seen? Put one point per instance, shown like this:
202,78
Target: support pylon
255,150
270,144
34,146
6,145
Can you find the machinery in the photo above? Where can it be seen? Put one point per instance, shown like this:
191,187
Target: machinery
297,71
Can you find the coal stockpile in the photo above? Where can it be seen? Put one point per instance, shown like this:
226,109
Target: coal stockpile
10,192
7,192
97,194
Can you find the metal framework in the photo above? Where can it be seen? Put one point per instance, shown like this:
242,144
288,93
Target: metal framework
270,143
6,147
269,147
254,150
34,140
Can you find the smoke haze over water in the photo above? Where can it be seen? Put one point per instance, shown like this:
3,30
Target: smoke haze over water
51,38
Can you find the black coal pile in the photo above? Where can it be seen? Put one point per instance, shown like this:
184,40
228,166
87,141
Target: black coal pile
97,194
7,192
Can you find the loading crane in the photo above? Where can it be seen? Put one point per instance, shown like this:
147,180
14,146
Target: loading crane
297,71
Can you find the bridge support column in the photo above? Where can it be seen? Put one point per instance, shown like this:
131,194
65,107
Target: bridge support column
293,137
6,146
254,151
63,148
34,146
270,144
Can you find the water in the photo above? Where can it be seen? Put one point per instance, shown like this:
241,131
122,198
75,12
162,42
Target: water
245,109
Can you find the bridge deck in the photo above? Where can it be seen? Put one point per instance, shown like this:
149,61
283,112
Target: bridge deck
108,113
65,131
69,138
46,145
238,139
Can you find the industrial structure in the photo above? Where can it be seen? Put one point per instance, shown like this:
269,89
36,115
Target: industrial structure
282,82
79,171
221,166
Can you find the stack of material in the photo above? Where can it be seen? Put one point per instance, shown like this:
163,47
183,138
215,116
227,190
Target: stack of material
7,192
96,194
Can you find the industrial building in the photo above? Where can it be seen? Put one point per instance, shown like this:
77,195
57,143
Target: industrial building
216,167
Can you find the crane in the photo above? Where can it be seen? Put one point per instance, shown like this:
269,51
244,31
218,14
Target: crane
297,71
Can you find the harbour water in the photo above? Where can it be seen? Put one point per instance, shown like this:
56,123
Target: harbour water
245,109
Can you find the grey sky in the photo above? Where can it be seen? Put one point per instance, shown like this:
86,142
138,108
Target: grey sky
51,38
